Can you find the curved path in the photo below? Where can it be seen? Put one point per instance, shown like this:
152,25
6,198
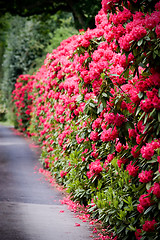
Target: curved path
29,207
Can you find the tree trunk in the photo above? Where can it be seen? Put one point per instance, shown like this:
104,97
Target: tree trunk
77,13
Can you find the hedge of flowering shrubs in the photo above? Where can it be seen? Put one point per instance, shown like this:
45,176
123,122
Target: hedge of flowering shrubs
94,107
22,97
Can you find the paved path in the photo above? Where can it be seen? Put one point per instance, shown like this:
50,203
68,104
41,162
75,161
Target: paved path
29,207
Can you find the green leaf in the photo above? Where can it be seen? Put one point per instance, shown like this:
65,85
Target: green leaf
112,149
79,98
152,112
126,73
114,75
103,75
146,127
140,95
100,108
147,38
139,43
138,110
152,161
159,92
148,185
132,228
159,117
148,209
92,105
145,119
121,229
142,116
104,95
143,238
158,129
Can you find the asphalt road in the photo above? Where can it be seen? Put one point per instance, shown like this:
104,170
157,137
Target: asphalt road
29,207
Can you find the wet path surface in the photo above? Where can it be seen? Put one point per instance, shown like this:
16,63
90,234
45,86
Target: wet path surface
29,207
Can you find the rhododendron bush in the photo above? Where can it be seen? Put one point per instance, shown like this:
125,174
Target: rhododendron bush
94,107
22,97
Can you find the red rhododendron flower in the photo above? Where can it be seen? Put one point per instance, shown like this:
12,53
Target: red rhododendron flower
91,68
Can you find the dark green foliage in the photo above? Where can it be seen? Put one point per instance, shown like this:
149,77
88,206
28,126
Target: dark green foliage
27,43
83,11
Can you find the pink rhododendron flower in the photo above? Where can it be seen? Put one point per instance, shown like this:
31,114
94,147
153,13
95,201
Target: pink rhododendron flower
140,208
96,124
138,234
132,133
95,168
77,225
94,136
109,135
110,157
156,189
145,176
158,30
121,161
155,78
146,105
107,4
145,200
63,173
134,151
121,17
79,139
132,169
119,120
119,147
149,226
147,151
109,118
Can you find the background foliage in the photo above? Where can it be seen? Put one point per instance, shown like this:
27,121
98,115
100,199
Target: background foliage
26,43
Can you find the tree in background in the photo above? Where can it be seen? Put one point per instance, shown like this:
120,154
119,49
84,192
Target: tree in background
33,28
27,40
82,10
